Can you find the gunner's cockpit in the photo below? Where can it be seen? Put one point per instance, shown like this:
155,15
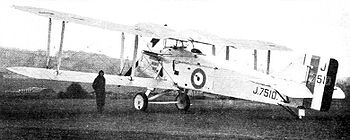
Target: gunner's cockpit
196,51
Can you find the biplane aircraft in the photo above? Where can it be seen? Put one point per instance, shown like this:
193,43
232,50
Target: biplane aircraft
180,66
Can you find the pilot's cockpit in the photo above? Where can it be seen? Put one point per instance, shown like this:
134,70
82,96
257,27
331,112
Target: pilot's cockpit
180,48
175,43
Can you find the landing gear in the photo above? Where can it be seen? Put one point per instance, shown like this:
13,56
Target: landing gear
182,102
140,101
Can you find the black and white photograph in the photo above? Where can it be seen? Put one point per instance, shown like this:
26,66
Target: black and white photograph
174,69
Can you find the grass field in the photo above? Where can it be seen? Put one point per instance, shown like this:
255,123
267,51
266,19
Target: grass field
77,118
50,118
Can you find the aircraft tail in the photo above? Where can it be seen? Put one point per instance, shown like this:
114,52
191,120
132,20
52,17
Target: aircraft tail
321,78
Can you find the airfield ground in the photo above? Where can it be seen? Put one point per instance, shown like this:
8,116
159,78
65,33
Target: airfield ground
46,117
223,119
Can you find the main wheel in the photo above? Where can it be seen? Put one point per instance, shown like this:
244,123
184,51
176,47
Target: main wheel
183,102
140,101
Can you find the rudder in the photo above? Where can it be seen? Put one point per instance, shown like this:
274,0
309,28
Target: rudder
321,81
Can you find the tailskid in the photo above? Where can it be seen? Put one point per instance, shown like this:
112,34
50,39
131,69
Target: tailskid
299,115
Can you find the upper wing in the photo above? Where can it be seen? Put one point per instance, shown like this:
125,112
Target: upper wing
154,30
200,36
77,19
74,76
143,29
256,44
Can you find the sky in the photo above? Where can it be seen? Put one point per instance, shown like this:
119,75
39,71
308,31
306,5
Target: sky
320,27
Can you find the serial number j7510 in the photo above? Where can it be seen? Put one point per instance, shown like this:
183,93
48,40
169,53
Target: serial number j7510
265,92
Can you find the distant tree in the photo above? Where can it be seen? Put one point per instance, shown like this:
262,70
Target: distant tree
74,91
61,95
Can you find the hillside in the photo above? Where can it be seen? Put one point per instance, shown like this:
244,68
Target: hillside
76,61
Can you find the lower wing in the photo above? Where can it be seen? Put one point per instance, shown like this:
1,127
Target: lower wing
83,77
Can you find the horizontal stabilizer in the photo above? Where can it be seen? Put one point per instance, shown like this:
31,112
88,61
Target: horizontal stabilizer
293,89
288,88
338,93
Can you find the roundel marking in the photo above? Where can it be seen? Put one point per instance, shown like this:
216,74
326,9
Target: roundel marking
198,78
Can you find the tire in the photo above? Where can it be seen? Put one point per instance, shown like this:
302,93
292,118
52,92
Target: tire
183,102
140,101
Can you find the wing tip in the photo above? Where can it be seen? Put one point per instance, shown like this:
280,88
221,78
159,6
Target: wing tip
23,8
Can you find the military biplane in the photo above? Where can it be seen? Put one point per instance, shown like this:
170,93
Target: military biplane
180,66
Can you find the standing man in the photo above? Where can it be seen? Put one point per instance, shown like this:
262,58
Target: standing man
99,87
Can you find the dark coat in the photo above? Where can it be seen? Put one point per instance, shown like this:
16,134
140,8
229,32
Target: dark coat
99,83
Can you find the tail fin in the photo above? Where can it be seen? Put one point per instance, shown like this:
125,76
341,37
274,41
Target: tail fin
321,79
